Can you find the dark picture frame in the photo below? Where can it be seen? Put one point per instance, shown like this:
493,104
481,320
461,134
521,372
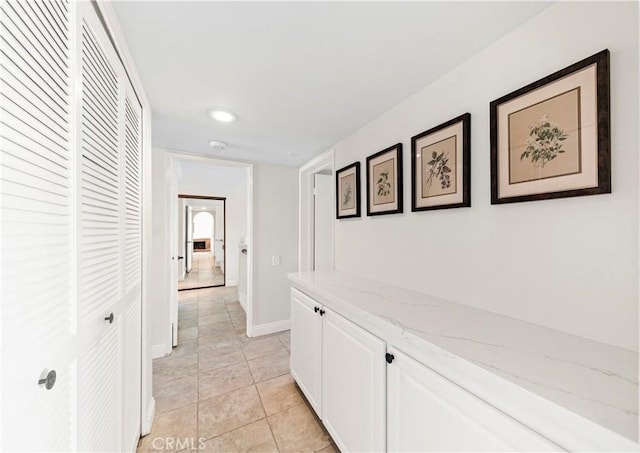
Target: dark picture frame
441,166
565,115
384,181
348,191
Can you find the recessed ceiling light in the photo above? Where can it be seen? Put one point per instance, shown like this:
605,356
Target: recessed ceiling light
223,116
215,144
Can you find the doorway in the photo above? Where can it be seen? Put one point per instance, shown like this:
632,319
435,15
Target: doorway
201,242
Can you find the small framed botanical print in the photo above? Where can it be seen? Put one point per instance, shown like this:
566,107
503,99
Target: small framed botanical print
384,181
348,191
551,138
441,166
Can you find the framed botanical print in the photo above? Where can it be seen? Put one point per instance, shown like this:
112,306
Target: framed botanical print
384,181
348,191
441,166
551,139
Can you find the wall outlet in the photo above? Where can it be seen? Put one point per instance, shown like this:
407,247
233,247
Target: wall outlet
275,260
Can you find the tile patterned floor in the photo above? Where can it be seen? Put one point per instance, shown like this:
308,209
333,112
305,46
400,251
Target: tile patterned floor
203,272
220,391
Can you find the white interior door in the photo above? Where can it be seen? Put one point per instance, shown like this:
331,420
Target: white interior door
37,322
101,239
323,223
189,234
182,238
131,395
219,234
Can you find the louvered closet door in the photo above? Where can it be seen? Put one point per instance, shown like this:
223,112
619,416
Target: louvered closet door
101,238
36,235
132,145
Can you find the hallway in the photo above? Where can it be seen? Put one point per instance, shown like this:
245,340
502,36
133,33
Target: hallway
221,391
203,273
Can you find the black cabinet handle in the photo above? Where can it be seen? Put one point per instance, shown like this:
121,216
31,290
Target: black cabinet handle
109,318
389,357
316,309
180,258
321,312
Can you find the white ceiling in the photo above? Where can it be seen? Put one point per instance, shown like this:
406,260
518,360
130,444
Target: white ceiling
299,75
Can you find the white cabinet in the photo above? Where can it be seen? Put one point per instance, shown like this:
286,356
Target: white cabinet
340,368
353,385
306,347
427,412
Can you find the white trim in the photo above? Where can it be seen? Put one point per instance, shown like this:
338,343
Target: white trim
250,245
271,327
174,155
231,283
159,350
324,161
147,419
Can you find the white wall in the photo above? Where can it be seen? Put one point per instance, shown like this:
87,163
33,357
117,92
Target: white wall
569,264
196,183
275,233
275,192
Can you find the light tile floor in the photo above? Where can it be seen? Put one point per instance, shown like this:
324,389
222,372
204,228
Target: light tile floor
220,391
203,272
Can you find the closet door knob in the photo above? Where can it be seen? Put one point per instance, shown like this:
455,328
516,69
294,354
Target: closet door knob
109,318
49,381
321,312
316,309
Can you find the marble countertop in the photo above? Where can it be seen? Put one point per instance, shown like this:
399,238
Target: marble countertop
594,380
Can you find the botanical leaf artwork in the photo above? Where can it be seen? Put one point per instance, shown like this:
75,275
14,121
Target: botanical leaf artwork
348,194
383,184
544,142
437,168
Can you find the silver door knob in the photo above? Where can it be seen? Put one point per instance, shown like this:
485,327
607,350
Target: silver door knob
49,381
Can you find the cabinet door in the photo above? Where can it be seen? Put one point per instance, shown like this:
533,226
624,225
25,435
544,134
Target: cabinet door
426,412
353,385
306,347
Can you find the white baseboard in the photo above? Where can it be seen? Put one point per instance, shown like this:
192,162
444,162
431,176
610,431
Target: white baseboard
159,350
271,327
242,298
147,419
231,283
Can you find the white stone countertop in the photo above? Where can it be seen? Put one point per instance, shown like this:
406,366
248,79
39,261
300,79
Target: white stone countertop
594,380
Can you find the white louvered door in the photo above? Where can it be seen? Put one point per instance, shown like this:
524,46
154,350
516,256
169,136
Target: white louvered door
132,274
37,317
101,239
70,181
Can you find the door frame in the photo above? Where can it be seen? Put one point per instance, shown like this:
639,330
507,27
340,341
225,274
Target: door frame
307,172
177,156
224,235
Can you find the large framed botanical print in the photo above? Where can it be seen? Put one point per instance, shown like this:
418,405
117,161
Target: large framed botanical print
551,139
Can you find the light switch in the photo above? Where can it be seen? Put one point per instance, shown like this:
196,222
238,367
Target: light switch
275,260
